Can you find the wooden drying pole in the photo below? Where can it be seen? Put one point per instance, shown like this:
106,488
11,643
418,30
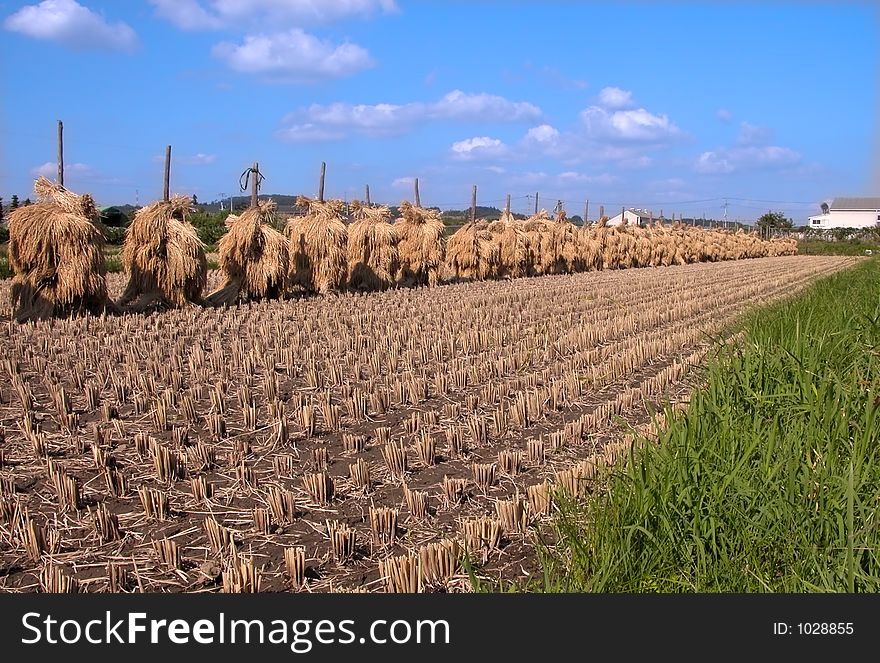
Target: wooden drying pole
60,153
166,189
536,203
255,183
507,206
586,212
368,195
474,204
417,198
321,182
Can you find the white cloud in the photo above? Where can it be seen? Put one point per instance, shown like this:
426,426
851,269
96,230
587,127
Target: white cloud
637,125
294,55
728,160
199,159
309,133
478,147
543,133
214,14
752,134
71,24
724,115
187,14
335,121
615,98
49,170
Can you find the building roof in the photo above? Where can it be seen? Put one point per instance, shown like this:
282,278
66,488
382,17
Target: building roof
856,204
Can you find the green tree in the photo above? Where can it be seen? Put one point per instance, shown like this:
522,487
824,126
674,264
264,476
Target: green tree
14,202
27,201
195,200
775,220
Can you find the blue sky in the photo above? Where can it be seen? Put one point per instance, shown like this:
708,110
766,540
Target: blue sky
666,106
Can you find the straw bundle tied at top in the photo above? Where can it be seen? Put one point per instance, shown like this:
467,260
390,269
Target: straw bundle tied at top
253,257
318,257
420,247
373,259
472,253
164,257
513,246
56,255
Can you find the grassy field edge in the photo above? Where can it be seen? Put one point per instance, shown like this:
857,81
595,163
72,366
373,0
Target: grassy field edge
768,482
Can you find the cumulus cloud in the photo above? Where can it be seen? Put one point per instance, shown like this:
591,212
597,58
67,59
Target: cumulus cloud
337,120
49,170
69,23
293,56
215,14
543,133
615,98
403,182
478,147
752,134
635,125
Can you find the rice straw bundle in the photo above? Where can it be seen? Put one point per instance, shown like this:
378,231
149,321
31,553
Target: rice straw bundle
164,258
513,246
538,231
56,255
318,258
420,248
471,253
562,248
372,248
254,258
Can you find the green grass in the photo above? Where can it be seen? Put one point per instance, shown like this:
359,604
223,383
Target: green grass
850,247
769,482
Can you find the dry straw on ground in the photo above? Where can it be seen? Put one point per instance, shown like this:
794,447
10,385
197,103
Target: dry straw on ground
164,258
253,257
318,240
373,259
421,247
56,255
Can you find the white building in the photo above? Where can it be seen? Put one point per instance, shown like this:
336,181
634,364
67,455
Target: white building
634,217
848,213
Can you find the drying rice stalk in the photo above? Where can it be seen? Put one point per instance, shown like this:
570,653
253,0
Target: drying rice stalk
472,253
106,524
241,576
167,553
295,565
439,562
53,580
513,246
342,541
164,258
394,454
318,257
373,260
282,504
416,502
254,258
56,256
319,486
401,574
383,523
420,248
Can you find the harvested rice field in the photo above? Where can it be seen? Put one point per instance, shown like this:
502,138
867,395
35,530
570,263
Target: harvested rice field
349,442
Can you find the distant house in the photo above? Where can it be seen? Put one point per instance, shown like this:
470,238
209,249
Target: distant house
634,217
848,213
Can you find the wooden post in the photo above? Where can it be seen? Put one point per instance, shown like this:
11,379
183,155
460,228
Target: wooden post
601,211
321,183
622,215
60,153
507,207
661,216
255,183
536,202
651,219
368,195
586,212
474,204
418,199
166,191
558,206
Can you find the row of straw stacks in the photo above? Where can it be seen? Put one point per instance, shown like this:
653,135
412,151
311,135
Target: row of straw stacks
56,252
